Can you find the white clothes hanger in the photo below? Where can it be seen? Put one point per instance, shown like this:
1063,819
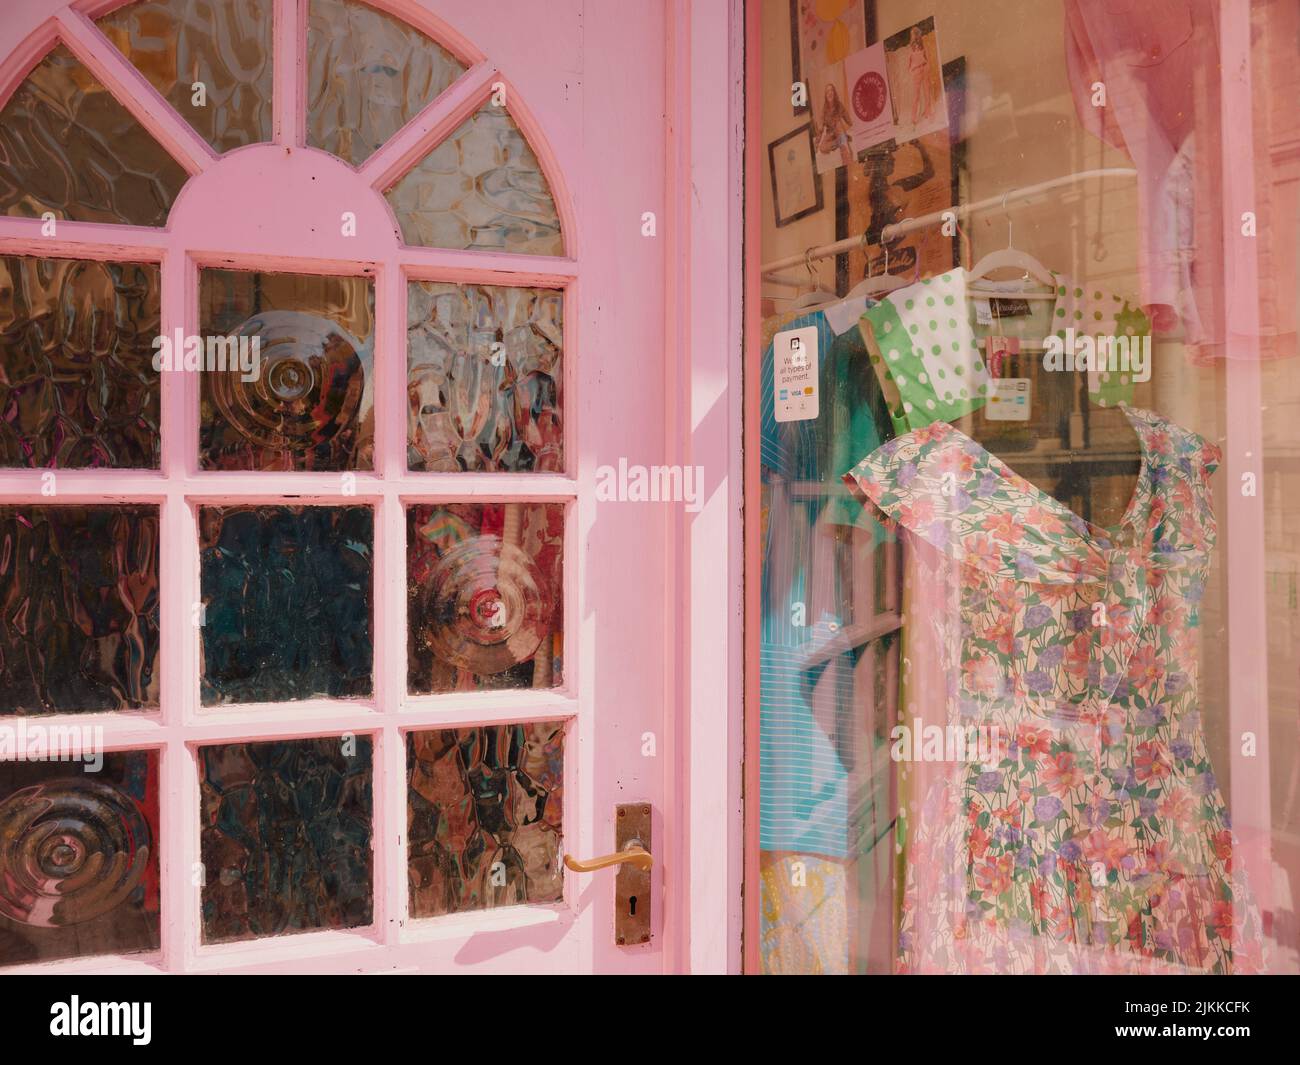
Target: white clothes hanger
1012,258
881,283
818,297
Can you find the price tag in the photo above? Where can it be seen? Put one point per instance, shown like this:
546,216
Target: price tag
996,349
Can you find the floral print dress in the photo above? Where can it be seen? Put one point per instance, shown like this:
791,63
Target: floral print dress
1096,838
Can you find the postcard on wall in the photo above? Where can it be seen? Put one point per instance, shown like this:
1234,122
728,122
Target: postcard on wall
870,108
832,122
823,34
916,81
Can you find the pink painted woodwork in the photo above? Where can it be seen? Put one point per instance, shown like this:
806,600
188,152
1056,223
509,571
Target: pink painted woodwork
651,374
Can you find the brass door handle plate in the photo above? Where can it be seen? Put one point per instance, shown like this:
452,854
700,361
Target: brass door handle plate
634,855
633,891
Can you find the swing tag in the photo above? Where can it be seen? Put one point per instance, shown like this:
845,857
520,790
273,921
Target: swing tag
997,349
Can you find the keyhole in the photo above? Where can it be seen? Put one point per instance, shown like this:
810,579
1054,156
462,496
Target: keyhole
632,906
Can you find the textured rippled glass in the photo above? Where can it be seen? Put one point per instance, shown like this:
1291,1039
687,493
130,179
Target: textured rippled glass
78,608
77,383
224,44
78,857
368,75
285,837
484,377
481,188
484,821
484,595
68,147
287,594
306,402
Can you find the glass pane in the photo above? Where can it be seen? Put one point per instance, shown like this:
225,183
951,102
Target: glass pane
80,608
78,858
286,837
481,188
68,147
300,394
210,59
484,595
77,383
1075,411
288,597
485,819
484,377
368,75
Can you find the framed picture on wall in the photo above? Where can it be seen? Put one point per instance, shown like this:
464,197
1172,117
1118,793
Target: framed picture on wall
796,186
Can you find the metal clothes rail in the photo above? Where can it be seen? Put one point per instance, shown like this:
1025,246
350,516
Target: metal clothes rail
910,225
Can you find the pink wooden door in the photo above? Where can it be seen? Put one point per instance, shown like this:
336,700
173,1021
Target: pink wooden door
449,225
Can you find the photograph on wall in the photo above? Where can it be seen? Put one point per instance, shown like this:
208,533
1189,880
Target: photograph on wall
796,188
824,33
831,119
916,81
907,180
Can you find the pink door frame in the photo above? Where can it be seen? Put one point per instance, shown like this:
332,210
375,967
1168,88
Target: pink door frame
652,647
707,194
753,546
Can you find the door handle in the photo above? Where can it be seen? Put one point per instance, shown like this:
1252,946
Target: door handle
633,898
633,854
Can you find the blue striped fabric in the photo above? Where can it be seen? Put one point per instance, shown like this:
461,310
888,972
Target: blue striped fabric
804,797
789,456
807,726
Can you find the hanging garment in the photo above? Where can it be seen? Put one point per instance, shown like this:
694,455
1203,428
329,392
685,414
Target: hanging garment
1164,76
1095,312
804,920
922,341
821,808
808,732
1097,838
